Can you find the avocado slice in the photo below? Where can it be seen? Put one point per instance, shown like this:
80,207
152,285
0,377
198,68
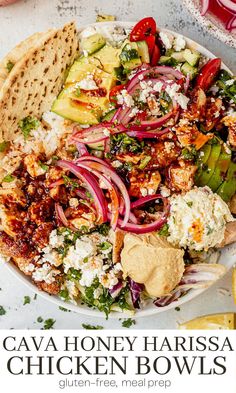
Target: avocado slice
204,154
210,165
220,171
74,110
129,56
107,58
92,43
109,115
228,188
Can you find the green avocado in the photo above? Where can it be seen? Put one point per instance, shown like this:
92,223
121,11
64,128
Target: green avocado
228,188
220,171
204,154
210,165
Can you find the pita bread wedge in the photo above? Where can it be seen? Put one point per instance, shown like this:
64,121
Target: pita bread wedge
10,60
36,78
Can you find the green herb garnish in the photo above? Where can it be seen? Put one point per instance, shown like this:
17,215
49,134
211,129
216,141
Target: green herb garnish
43,166
144,162
2,310
8,179
189,154
190,204
9,66
39,319
127,323
92,327
64,294
27,300
48,324
73,274
27,125
164,231
70,183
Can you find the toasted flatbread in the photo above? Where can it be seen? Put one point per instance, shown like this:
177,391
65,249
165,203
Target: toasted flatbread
36,78
16,54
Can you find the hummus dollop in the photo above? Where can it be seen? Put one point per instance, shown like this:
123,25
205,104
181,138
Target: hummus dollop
150,260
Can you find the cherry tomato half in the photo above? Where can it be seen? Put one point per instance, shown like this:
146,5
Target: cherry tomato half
155,56
144,28
150,40
208,73
113,93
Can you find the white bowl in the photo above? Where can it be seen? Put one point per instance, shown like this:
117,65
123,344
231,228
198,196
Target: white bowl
217,28
227,254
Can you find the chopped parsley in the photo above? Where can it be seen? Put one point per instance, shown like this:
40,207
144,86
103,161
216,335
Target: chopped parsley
227,89
27,125
2,310
63,309
92,327
27,300
190,204
73,274
8,179
144,162
189,154
177,308
4,146
39,319
70,183
103,229
43,166
48,324
164,231
105,246
127,323
64,294
78,91
9,66
122,143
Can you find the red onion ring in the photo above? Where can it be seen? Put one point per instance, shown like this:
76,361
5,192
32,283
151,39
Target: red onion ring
82,149
96,134
143,228
61,215
56,183
231,24
152,124
146,199
147,134
117,181
92,186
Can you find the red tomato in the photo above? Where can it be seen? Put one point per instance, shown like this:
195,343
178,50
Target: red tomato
141,116
143,29
113,93
150,40
208,74
156,55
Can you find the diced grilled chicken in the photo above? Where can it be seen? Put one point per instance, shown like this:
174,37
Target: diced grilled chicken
12,196
53,288
230,122
212,113
41,211
41,234
197,105
163,153
81,216
10,222
181,176
143,183
189,135
33,166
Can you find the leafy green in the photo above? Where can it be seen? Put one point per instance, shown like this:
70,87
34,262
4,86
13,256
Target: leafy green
103,229
27,300
2,310
64,294
105,246
127,323
48,324
227,90
8,179
70,182
92,327
27,125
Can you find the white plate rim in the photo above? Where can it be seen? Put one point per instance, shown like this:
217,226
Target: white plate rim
85,310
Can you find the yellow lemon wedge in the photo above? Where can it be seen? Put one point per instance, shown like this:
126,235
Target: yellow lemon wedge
211,322
234,284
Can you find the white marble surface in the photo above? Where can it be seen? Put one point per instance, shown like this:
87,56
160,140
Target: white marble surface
27,16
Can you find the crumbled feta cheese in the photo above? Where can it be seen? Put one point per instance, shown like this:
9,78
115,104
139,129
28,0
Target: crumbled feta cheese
87,83
167,39
179,43
55,240
116,164
106,132
88,32
230,82
165,192
158,86
125,98
180,98
30,268
45,273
